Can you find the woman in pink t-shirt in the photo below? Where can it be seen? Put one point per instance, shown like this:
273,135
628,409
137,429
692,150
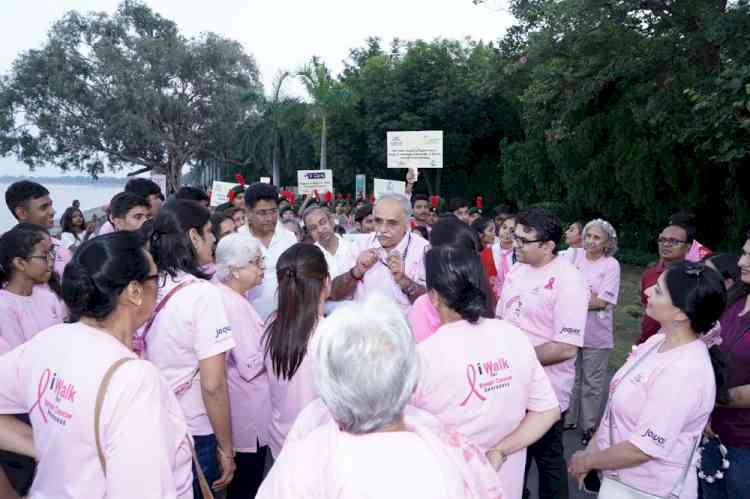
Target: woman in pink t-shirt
189,334
602,274
239,268
361,439
661,399
27,304
480,374
142,448
304,287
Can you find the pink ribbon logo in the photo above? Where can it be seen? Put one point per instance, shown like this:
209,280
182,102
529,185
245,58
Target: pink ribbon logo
41,388
471,377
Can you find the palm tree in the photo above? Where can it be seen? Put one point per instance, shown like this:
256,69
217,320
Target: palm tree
325,93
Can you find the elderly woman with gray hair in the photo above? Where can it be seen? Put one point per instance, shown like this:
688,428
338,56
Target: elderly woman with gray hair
361,439
602,274
240,268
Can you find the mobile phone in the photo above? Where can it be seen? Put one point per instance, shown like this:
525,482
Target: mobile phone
591,482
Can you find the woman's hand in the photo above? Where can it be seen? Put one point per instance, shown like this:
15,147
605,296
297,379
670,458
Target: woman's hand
496,458
228,466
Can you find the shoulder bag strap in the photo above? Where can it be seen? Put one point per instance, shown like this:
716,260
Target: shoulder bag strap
159,308
677,489
98,408
622,378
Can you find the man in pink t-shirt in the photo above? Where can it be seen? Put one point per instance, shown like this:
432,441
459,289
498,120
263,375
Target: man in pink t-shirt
30,202
546,296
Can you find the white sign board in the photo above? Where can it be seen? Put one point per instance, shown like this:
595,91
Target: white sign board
382,186
220,192
161,180
265,180
309,181
423,149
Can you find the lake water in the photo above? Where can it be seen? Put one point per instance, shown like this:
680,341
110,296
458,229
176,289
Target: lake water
89,195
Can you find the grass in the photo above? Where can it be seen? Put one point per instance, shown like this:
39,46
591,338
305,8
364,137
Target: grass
627,315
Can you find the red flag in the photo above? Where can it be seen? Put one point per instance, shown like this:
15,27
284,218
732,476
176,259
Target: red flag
231,196
434,200
349,196
480,202
239,178
339,196
372,198
327,197
292,198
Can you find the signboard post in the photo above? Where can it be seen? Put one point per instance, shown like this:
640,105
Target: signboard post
220,192
309,181
420,149
360,189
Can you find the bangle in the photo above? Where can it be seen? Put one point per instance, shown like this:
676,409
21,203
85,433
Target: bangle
351,274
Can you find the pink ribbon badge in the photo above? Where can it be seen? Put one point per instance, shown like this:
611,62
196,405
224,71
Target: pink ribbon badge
41,388
471,377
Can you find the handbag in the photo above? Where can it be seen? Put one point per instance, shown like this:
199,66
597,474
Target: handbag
612,488
205,489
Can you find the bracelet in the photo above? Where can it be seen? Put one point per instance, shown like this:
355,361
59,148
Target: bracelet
351,274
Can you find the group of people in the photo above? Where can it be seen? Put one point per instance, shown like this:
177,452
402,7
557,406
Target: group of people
264,350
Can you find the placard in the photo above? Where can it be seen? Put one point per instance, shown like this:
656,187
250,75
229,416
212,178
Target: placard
220,192
360,189
381,186
265,180
309,181
421,149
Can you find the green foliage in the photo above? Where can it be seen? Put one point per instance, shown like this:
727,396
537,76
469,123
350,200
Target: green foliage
125,90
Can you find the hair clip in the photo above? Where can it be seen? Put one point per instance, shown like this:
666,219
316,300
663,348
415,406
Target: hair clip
291,272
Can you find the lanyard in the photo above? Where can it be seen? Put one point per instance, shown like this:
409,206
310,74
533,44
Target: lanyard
406,252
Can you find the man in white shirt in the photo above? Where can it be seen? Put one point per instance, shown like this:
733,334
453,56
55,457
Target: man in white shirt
262,213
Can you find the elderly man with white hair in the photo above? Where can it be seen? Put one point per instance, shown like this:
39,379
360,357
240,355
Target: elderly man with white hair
602,273
390,260
361,439
240,268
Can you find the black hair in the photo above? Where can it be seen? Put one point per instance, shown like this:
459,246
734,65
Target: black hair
18,242
725,264
339,229
302,271
20,193
450,231
224,206
99,271
260,191
362,213
192,194
170,244
686,217
546,224
688,228
123,202
698,291
143,187
457,203
502,209
419,197
480,225
284,210
238,189
422,230
458,277
216,220
66,220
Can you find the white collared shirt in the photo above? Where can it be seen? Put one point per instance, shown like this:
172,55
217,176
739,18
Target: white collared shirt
343,260
264,297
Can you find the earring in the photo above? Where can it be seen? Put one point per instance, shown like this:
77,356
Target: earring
235,275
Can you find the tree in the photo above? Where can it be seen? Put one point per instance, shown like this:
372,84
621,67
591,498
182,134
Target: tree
325,94
124,91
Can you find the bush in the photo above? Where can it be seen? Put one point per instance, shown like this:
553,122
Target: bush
635,257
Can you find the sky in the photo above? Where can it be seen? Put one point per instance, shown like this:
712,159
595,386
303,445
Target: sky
279,34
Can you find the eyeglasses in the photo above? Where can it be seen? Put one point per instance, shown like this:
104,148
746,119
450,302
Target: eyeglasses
50,256
668,241
266,213
523,241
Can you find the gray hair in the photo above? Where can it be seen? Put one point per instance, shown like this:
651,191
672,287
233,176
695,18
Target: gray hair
610,232
312,209
400,198
234,250
365,364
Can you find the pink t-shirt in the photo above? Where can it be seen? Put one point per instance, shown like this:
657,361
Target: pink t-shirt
55,378
379,278
603,278
482,378
106,228
428,460
549,303
423,318
248,383
288,398
191,327
4,346
652,410
697,252
62,256
25,316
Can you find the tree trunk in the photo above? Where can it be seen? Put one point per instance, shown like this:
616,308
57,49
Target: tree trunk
323,140
174,176
275,170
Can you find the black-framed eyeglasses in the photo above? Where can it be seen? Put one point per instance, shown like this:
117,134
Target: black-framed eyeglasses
50,256
523,241
668,241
